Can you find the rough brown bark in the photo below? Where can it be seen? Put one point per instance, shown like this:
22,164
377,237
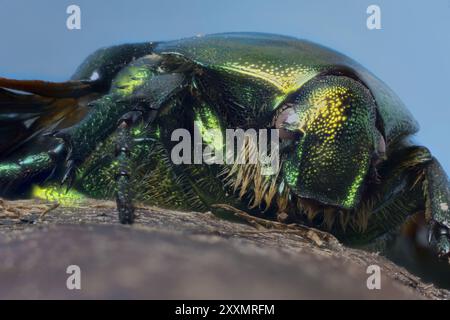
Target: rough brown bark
182,255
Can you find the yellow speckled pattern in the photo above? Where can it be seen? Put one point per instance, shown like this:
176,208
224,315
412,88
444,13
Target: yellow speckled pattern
337,118
328,118
286,77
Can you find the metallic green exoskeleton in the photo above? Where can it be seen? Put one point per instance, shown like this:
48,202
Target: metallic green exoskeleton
347,163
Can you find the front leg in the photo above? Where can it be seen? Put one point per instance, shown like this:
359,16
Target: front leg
124,197
437,196
138,93
138,86
124,146
81,139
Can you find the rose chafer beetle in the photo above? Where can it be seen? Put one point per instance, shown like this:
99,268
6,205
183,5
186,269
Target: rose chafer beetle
348,163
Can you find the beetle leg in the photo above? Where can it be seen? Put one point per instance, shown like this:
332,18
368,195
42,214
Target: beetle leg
437,197
124,141
17,171
81,139
152,96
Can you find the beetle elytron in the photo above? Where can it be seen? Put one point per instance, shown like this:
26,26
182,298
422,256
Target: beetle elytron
347,161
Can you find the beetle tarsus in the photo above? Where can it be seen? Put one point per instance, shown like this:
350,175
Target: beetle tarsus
69,175
437,200
124,198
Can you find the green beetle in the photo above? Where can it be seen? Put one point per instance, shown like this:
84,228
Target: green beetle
347,163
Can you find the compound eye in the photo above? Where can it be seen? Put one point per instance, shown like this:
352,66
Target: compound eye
287,123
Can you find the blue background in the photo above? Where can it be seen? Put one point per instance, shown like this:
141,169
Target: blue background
411,53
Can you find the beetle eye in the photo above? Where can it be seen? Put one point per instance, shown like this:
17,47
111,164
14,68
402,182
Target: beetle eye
287,123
